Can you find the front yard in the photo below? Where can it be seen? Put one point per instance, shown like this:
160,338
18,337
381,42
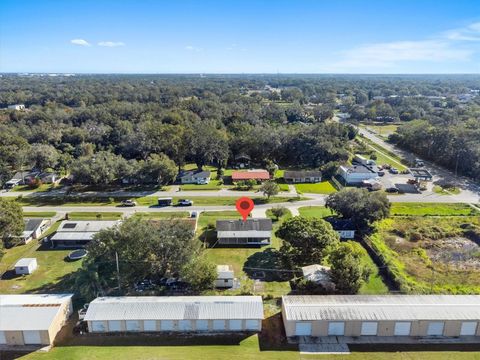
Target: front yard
324,187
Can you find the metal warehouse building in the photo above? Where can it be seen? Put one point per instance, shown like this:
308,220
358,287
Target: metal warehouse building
382,316
32,319
175,314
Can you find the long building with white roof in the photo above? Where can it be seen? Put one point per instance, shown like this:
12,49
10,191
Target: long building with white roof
78,233
175,314
32,319
381,315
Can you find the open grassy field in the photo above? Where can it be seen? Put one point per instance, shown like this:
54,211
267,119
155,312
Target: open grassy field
90,215
384,156
163,215
314,211
324,187
431,255
431,209
250,348
41,188
383,130
213,185
451,190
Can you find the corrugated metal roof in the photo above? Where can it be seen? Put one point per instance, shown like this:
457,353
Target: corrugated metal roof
296,174
175,308
382,307
248,225
25,262
72,236
30,312
86,226
244,234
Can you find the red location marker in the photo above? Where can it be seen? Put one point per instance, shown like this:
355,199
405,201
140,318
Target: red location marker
244,207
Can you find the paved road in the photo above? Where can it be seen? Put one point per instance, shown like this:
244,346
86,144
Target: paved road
470,189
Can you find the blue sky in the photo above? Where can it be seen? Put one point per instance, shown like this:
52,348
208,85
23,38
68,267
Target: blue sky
230,36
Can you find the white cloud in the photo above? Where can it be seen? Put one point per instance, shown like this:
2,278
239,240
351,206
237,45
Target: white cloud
448,46
468,33
193,48
111,43
80,42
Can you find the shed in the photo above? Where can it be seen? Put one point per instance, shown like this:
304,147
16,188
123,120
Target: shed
379,318
208,314
25,266
225,276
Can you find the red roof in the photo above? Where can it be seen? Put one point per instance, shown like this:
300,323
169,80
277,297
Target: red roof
247,175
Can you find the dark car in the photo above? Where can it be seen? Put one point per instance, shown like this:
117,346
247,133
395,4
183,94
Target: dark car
144,285
185,202
391,189
393,170
381,173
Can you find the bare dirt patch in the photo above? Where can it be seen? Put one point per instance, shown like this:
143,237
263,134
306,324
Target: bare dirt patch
458,252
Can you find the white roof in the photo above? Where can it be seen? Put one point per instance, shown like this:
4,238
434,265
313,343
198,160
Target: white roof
175,308
25,262
244,234
316,273
224,271
382,307
72,236
85,225
30,312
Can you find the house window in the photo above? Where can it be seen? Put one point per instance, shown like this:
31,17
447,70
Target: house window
225,281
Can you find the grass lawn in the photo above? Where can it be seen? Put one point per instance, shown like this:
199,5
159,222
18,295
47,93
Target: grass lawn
431,209
238,257
39,214
383,130
41,188
249,348
314,211
163,215
213,185
52,267
446,190
324,187
90,215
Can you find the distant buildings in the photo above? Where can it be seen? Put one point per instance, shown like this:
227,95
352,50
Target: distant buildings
32,319
258,175
303,176
16,107
249,232
195,177
209,314
74,234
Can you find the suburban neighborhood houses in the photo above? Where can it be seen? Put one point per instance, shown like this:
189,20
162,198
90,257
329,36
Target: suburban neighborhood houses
240,180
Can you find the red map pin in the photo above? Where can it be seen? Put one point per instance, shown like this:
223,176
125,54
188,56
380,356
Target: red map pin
244,207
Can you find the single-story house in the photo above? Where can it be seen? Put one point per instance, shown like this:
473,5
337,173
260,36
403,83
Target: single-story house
344,227
377,318
49,178
34,229
26,266
249,232
225,276
195,177
318,274
355,174
20,178
33,319
258,175
186,314
78,233
16,107
303,176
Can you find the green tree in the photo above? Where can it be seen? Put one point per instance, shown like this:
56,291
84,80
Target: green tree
43,156
200,273
306,240
159,169
347,271
279,211
269,188
11,222
359,205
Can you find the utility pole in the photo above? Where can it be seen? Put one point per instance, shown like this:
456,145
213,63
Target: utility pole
118,270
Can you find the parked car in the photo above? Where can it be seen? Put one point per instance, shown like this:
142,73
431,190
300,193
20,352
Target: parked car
393,170
185,202
381,173
419,163
128,203
194,214
391,189
144,285
386,166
